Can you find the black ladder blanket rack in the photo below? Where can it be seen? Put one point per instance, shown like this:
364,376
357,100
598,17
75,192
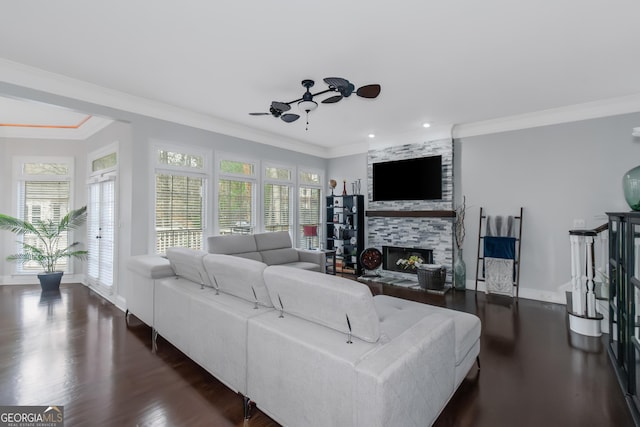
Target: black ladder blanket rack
482,228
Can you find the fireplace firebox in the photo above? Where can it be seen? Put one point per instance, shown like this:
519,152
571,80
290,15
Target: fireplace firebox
403,260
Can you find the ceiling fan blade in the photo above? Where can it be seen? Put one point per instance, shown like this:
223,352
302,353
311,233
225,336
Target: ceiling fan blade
280,106
332,100
369,91
337,82
290,117
260,114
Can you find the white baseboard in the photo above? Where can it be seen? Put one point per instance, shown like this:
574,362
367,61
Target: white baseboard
556,297
32,279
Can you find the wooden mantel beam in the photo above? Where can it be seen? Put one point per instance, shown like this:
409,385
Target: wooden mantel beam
412,214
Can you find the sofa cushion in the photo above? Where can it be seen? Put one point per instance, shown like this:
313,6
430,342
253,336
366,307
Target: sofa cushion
303,265
395,314
150,266
324,299
238,277
232,244
255,256
279,256
187,263
274,240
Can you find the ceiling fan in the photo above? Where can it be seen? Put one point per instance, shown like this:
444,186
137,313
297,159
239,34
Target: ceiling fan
306,104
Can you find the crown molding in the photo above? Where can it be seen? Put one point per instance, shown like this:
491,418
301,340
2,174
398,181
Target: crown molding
571,113
34,78
347,150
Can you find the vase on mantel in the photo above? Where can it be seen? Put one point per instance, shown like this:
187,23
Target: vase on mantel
459,273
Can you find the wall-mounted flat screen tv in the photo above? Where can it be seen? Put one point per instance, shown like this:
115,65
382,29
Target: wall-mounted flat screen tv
409,179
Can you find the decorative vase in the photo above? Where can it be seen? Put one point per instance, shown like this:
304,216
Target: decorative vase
344,187
631,188
459,273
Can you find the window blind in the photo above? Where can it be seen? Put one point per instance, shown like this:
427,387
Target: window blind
235,206
179,211
43,201
277,207
101,232
309,214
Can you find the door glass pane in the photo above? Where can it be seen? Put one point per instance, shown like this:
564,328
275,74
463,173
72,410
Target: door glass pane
101,232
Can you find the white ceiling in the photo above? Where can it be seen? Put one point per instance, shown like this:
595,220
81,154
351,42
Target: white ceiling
443,62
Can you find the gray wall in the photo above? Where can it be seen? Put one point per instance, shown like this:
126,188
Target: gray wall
349,168
558,173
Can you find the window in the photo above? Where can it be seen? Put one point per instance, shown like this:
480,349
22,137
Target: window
179,206
309,209
236,197
44,194
277,199
106,162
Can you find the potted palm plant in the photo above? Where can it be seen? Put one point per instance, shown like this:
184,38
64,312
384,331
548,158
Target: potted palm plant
44,248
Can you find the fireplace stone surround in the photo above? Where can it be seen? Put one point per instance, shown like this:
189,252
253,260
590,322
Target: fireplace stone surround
414,223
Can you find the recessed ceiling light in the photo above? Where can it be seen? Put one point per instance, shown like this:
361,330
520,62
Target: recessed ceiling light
371,135
426,125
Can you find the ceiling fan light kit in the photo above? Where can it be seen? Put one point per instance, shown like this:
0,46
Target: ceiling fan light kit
306,104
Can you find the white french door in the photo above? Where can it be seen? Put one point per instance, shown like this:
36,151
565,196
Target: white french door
101,232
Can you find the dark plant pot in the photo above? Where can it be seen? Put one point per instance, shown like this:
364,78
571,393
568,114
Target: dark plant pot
50,281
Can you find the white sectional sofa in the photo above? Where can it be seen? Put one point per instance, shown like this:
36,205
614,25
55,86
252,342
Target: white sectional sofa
280,337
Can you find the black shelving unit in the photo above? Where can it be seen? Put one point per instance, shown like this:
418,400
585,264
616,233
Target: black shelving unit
344,231
624,291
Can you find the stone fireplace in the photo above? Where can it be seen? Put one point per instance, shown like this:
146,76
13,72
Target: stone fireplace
414,224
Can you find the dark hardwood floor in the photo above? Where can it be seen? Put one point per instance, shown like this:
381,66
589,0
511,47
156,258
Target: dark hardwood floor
74,349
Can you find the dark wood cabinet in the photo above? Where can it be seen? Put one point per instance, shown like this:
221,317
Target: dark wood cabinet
344,231
624,297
